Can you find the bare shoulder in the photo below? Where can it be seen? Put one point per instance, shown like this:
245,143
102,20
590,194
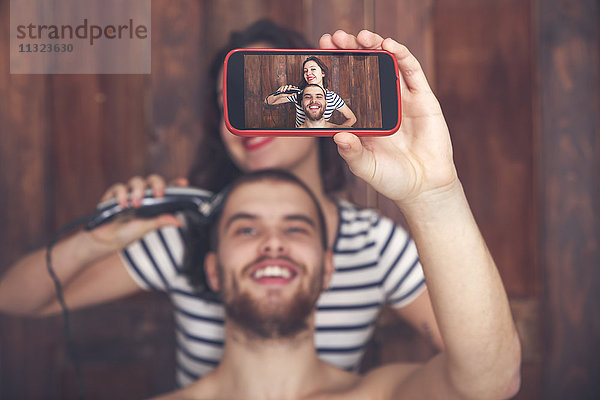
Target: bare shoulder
382,383
202,389
182,394
335,383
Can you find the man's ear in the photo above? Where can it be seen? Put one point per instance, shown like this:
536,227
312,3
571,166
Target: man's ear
211,272
329,269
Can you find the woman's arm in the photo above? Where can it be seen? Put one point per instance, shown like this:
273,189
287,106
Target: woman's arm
348,114
87,263
280,98
415,168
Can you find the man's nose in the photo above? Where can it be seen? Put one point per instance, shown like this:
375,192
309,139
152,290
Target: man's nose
273,244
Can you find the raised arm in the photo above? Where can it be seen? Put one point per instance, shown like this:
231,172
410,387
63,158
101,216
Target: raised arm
414,167
86,263
280,98
348,114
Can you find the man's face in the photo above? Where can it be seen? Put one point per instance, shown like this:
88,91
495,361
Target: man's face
313,102
270,262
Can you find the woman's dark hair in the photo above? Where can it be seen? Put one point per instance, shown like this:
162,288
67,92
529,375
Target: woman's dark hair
321,65
213,169
201,235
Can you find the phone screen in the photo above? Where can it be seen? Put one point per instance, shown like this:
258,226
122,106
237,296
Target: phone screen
311,91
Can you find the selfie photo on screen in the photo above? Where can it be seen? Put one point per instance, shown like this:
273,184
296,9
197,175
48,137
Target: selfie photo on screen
314,72
310,92
349,89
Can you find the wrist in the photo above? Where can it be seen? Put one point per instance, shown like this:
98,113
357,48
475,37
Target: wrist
90,248
434,204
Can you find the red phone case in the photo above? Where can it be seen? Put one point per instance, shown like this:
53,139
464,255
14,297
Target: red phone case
306,131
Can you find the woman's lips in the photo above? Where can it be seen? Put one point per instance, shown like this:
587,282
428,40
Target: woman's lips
254,143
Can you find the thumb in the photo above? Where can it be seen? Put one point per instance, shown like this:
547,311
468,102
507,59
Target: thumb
356,155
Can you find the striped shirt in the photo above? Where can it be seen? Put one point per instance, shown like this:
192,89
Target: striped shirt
334,102
376,264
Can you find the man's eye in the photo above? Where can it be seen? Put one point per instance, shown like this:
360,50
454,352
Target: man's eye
245,231
297,229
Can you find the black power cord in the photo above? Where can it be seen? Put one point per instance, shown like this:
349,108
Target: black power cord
71,348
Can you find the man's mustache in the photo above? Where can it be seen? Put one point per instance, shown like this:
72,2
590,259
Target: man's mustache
299,267
314,103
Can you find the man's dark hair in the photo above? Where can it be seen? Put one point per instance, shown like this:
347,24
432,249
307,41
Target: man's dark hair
301,94
213,169
202,237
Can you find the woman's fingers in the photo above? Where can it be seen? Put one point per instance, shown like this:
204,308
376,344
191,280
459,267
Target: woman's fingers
325,42
132,193
157,184
409,66
339,40
118,192
137,186
369,40
342,40
356,156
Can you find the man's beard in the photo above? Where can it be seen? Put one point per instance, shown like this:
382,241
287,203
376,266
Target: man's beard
272,319
317,117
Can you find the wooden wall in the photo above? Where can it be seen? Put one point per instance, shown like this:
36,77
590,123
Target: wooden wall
569,187
518,82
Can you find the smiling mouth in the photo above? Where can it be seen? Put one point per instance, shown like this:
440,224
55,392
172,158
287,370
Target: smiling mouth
314,107
274,273
254,143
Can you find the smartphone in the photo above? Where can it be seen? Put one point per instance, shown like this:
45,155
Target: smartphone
281,92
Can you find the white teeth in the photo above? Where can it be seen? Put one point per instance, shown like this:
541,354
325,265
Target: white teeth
272,271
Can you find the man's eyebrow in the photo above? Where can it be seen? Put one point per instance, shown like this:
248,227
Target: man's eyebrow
238,216
301,217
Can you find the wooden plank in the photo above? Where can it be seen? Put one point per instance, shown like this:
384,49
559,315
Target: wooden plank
409,22
24,154
234,15
268,71
485,89
373,95
77,138
569,81
137,345
358,97
179,69
327,16
252,90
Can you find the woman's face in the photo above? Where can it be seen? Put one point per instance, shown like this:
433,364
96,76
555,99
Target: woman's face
313,74
254,153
